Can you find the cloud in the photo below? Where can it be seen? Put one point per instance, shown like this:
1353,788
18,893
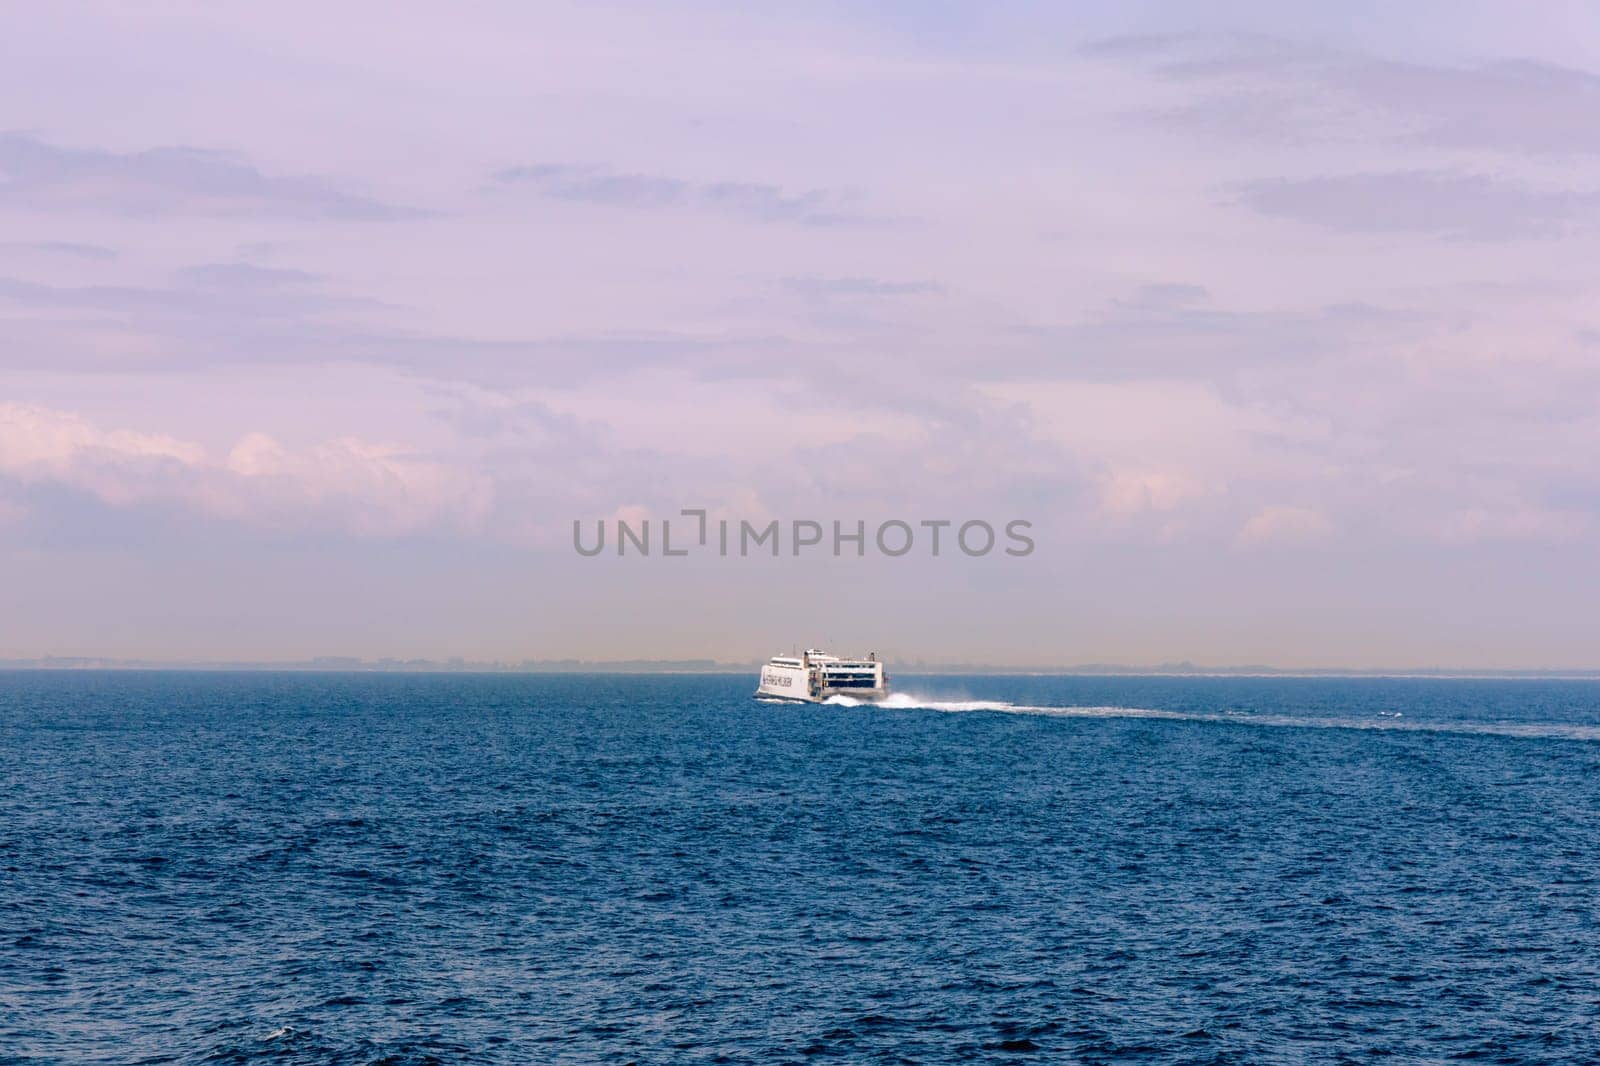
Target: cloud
33,439
243,314
1154,448
217,294
1279,524
244,276
1125,492
358,487
740,199
171,181
89,297
1167,296
365,488
129,329
68,249
596,186
1515,521
1434,203
825,287
1270,88
1170,331
209,314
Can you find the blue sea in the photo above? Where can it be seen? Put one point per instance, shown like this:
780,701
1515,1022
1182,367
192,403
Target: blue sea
407,869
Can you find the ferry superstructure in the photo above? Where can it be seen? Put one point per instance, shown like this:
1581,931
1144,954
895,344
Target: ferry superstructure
813,676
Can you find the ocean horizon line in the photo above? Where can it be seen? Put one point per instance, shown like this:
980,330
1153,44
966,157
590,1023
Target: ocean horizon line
353,664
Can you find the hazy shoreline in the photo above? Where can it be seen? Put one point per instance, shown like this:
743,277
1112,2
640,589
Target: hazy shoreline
342,664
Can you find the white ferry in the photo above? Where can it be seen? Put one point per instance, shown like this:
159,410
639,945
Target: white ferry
812,677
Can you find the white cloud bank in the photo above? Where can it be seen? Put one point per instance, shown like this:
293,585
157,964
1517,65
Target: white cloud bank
355,486
1285,525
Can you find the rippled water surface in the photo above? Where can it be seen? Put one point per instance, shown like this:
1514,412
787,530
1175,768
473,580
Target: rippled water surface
498,869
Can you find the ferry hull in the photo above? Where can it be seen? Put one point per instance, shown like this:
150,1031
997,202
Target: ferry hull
864,695
814,678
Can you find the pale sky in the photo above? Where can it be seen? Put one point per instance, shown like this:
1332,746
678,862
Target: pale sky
320,325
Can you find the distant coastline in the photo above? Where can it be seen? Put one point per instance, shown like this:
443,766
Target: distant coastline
352,664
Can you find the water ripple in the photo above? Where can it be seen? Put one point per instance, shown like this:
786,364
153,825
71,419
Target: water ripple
460,869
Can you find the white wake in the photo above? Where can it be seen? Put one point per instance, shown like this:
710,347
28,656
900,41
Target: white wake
1387,721
906,701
